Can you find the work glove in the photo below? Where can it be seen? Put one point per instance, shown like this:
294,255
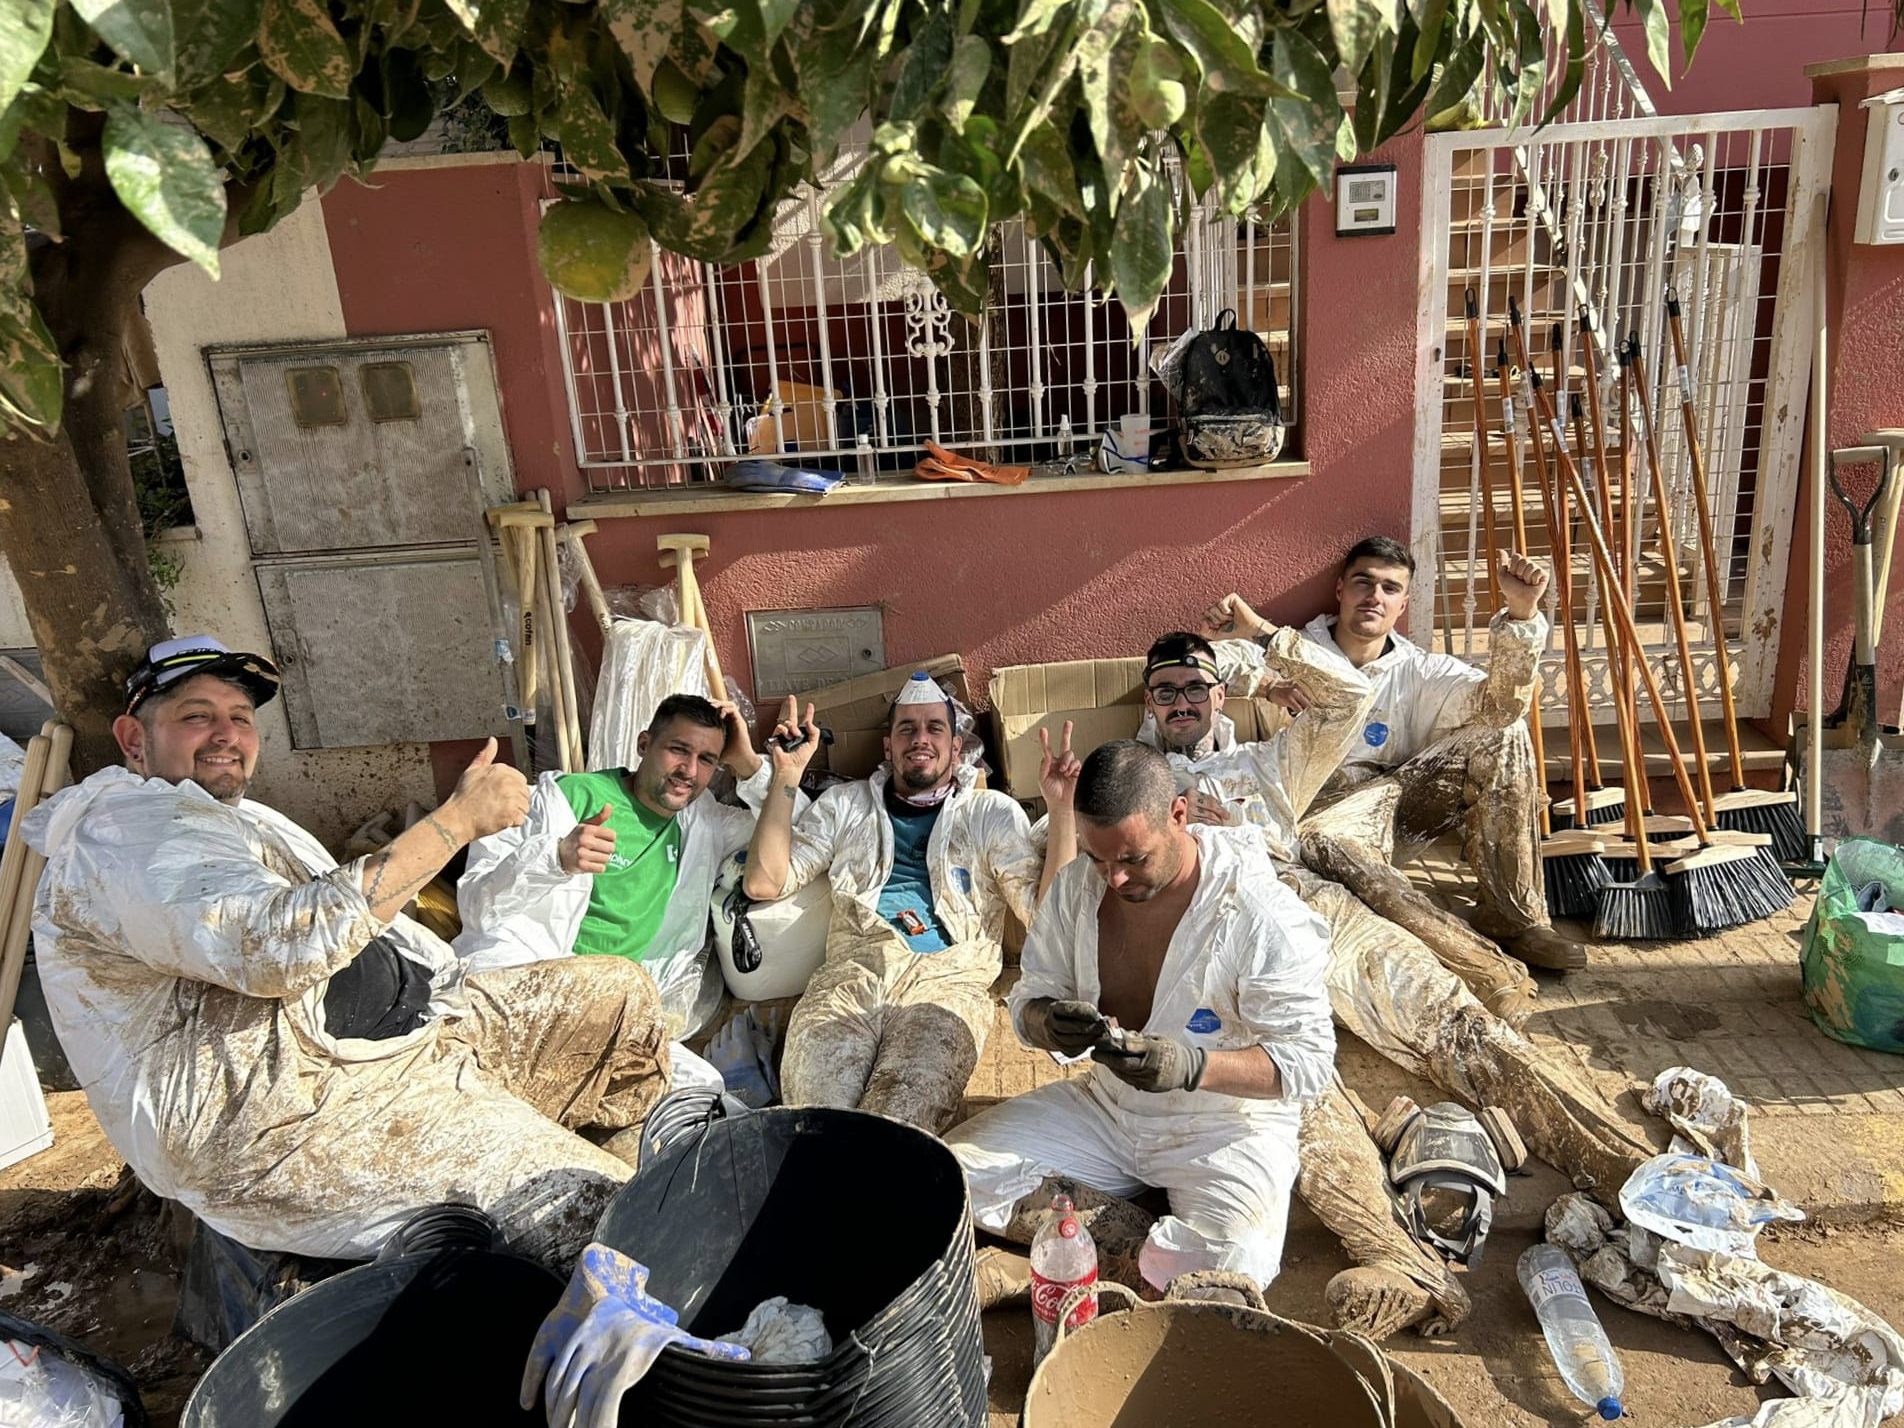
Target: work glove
743,1052
1153,1063
1066,1027
600,1339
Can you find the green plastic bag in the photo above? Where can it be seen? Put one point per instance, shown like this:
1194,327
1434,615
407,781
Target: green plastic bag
1854,961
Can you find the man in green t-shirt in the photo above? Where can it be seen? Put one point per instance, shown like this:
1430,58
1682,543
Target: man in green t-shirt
622,862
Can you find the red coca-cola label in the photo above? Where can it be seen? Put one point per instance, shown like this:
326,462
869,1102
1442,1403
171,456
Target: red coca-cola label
1047,1297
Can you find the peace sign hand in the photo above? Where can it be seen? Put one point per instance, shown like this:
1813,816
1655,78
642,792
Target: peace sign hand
1058,773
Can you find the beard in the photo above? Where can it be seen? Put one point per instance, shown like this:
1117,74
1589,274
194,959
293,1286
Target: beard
920,780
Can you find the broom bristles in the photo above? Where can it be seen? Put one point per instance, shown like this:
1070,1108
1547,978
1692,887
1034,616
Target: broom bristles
1716,889
1639,910
1573,882
1781,822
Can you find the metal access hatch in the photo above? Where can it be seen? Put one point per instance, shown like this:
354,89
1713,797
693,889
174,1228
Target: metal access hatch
363,466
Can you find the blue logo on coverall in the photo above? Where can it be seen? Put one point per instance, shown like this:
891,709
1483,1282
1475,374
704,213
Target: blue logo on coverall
1203,1021
963,877
1376,734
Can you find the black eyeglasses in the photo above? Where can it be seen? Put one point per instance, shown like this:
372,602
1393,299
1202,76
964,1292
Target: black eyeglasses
1168,694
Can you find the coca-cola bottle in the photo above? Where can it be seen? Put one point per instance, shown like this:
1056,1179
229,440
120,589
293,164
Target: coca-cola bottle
1063,1256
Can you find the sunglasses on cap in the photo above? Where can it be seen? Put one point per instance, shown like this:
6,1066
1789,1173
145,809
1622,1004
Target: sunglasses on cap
169,661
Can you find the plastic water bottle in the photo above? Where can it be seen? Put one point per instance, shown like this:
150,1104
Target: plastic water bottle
1574,1337
1063,1256
865,468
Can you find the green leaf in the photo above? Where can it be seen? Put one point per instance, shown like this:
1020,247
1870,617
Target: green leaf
764,103
1457,78
1692,25
165,177
1224,57
94,86
302,47
407,99
1035,19
32,378
508,95
322,149
36,110
1309,121
947,210
139,32
496,25
1042,59
1233,131
971,63
1143,251
1434,14
1046,163
1731,7
923,69
1115,130
226,111
592,252
1658,38
1576,69
25,27
1358,27
749,27
525,134
588,139
645,31
211,36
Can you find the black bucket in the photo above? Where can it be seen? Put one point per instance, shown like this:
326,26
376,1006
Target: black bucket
861,1217
439,1338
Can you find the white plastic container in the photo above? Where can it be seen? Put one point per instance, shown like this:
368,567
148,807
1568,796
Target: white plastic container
24,1127
792,934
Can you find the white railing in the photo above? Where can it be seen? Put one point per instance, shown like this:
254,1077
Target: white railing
1609,216
810,359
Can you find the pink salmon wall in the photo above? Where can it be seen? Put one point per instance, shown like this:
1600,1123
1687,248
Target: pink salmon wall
1758,63
1865,333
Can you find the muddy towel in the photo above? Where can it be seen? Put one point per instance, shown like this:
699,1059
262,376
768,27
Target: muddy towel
781,1333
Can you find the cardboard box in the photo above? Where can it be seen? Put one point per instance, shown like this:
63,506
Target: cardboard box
1103,699
856,711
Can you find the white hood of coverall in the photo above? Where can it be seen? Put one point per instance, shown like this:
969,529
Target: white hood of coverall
1420,696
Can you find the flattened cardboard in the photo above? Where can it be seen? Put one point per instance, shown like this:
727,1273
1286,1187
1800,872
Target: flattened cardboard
855,710
1103,699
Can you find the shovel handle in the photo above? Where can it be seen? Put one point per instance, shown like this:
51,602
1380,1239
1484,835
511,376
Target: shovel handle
1861,515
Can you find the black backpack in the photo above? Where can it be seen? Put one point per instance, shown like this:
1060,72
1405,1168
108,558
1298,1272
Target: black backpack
1232,413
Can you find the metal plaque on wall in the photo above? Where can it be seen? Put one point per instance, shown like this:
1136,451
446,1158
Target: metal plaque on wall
793,651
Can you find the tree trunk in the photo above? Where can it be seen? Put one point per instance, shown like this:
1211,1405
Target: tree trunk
69,517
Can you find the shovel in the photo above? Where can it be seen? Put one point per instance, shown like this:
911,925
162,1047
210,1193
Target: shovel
1860,768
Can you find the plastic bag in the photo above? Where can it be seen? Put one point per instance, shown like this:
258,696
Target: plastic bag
49,1381
1702,1203
781,1333
1706,1113
1854,961
643,662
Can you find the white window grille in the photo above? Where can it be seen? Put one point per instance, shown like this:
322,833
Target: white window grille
815,361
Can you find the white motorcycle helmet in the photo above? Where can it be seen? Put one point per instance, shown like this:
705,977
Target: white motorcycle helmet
768,949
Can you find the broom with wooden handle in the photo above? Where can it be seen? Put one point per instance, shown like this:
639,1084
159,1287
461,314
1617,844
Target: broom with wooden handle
1742,809
1572,868
1704,884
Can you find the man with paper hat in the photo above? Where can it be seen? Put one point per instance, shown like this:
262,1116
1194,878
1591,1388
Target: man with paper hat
268,1040
924,865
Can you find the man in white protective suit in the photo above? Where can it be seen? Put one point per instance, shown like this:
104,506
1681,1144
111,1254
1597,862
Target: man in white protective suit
924,866
1404,995
621,863
1445,748
268,1040
1211,971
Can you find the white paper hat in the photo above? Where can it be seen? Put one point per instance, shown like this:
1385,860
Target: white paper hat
922,688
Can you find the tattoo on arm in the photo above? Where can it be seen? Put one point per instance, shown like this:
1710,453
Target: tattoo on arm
380,862
789,793
449,839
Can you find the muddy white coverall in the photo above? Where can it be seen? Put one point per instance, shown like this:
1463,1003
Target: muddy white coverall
1453,739
185,947
518,905
1245,968
883,1027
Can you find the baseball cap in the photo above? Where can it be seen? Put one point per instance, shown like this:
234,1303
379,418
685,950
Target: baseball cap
169,661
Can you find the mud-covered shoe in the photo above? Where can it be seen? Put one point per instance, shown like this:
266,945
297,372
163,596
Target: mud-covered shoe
1544,947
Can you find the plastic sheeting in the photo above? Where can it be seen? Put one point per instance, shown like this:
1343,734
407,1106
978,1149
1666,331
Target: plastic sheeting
643,662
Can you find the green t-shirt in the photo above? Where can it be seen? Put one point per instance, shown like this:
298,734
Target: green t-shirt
630,896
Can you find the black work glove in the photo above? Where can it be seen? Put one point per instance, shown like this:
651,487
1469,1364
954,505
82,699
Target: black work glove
1153,1063
1066,1027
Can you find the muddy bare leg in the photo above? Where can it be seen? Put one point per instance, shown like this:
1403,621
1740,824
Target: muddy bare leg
1396,1282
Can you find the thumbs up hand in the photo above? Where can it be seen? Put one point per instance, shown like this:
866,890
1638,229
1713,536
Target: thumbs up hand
489,796
588,848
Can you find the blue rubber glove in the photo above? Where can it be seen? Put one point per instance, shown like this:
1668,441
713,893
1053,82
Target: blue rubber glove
600,1339
742,1051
